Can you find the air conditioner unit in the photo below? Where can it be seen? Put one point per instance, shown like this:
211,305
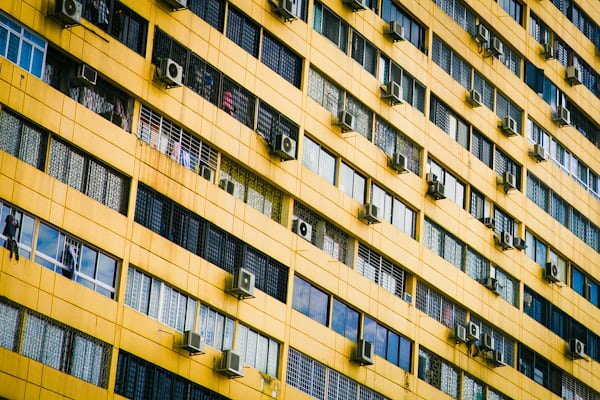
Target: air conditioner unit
436,190
302,229
345,121
242,285
369,213
472,331
395,31
498,359
207,173
505,240
576,349
573,75
285,9
509,126
85,75
519,243
486,342
496,47
67,12
177,4
508,181
227,185
562,116
364,352
231,365
408,297
398,162
482,35
193,343
460,333
392,91
356,5
474,98
284,147
548,51
538,153
489,222
551,272
492,284
169,72
430,177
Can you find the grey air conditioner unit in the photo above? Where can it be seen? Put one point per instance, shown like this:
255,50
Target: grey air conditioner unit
508,181
538,153
497,359
562,116
207,173
364,352
489,222
519,243
408,298
85,76
460,333
509,126
398,163
227,185
395,31
548,51
242,285
286,9
573,75
344,120
486,342
482,35
193,343
496,48
302,229
177,4
430,177
474,98
392,92
67,11
551,272
436,190
492,284
576,349
169,72
356,5
231,365
284,147
369,213
504,240
472,331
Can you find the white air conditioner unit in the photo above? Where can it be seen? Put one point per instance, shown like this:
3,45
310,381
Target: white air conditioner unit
436,190
177,4
460,333
576,349
551,272
496,48
398,162
519,243
486,342
573,75
492,284
548,51
286,9
369,213
67,11
227,185
562,116
192,342
474,98
489,222
356,5
169,72
508,181
85,75
231,365
364,352
392,91
509,126
302,229
207,173
242,285
430,177
505,240
472,331
395,31
538,153
482,35
344,120
498,359
284,147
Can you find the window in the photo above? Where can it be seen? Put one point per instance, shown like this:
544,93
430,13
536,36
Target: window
451,62
330,25
388,344
479,206
444,244
271,122
513,8
472,389
438,373
414,32
281,59
535,249
344,320
23,140
457,10
364,53
352,183
395,211
243,31
390,140
363,117
319,160
216,328
449,122
485,88
439,307
504,222
413,91
511,59
453,188
505,107
502,343
212,11
540,370
25,232
21,46
310,301
325,92
256,350
380,270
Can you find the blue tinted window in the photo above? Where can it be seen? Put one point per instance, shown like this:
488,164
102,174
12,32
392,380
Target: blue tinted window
577,280
405,354
393,345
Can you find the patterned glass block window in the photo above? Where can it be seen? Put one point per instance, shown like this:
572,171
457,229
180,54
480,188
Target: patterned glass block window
439,307
363,117
324,91
444,244
23,140
243,31
270,123
380,270
439,373
391,140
